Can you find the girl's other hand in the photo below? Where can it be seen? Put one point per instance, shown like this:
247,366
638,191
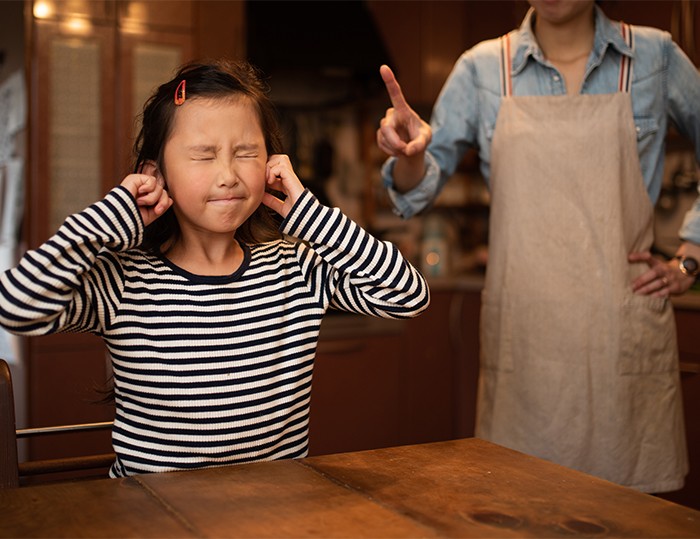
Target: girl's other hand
281,177
151,198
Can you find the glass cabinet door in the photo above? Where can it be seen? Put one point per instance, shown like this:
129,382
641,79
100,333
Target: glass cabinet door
73,98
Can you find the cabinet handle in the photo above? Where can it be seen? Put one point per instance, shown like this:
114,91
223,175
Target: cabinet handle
688,367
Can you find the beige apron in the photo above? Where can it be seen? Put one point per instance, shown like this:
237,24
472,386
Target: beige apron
576,368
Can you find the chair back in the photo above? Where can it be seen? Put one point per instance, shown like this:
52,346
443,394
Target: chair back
11,470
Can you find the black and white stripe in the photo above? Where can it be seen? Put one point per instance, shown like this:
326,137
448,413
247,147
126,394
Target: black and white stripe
208,370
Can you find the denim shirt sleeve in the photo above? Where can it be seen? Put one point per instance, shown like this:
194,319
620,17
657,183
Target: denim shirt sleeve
684,110
690,231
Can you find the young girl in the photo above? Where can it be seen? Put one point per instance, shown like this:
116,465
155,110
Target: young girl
210,316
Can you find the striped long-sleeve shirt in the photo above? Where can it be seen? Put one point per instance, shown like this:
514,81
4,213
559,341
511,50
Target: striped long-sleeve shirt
207,370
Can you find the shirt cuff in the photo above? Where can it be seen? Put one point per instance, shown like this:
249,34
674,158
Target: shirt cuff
421,196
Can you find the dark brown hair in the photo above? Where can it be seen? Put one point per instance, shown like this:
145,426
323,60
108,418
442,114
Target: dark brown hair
218,80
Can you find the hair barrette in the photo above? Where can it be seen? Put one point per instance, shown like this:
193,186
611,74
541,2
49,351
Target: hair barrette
180,93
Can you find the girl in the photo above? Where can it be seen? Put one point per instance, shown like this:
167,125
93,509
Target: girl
210,316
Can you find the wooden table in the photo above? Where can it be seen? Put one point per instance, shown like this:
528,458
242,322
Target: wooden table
461,488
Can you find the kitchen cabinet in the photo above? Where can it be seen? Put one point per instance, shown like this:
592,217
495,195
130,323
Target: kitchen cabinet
687,323
379,383
441,360
355,395
425,38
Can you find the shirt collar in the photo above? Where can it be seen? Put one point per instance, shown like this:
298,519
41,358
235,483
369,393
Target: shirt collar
607,33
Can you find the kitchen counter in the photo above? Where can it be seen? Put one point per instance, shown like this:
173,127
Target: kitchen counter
475,282
461,282
689,300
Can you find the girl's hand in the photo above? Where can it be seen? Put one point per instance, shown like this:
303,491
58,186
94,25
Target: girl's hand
151,198
281,177
661,279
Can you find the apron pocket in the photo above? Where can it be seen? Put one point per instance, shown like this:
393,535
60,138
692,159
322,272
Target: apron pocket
496,328
647,336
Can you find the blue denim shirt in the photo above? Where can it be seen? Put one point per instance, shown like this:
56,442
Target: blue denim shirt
665,86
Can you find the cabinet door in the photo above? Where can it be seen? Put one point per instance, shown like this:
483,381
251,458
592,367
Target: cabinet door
355,396
72,122
429,387
467,370
687,323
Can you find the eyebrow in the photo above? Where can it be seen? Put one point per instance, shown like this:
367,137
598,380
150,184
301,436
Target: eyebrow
210,148
247,147
202,148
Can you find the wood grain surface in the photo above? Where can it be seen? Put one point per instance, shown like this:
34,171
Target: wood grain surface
460,488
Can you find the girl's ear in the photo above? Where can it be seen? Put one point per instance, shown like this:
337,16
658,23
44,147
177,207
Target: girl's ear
150,168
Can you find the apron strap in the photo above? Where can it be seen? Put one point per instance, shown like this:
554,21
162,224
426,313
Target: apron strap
506,67
625,80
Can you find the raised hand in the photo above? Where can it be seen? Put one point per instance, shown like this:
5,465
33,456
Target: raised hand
281,177
402,132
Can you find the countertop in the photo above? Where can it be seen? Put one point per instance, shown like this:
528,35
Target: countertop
339,325
475,282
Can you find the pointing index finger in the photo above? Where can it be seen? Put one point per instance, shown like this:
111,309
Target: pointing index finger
398,101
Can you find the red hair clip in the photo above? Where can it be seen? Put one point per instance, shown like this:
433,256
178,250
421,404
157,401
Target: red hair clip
180,93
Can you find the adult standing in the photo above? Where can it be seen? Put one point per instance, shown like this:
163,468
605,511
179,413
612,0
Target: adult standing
569,114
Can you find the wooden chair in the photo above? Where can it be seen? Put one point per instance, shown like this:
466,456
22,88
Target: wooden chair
11,470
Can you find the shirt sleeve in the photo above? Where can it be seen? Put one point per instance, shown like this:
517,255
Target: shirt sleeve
420,197
349,268
63,285
684,110
690,230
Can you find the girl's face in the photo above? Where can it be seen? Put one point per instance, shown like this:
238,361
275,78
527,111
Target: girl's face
215,164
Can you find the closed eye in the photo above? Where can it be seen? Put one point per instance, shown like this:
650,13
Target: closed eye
204,152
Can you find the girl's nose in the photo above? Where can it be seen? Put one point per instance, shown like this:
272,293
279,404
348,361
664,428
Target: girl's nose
227,175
